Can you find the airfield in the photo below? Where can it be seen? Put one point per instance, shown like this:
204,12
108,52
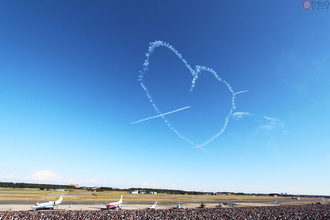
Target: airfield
23,200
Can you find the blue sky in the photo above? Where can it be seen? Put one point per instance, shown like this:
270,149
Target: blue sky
69,92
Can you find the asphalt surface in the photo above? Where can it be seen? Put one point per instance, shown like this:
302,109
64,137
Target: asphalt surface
26,202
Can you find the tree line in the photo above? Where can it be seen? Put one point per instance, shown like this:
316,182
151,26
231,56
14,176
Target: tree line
168,191
34,185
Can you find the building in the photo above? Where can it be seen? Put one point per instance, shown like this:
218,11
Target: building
134,192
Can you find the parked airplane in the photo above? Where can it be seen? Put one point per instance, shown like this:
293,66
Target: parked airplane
277,202
154,206
49,204
178,206
325,200
114,205
230,203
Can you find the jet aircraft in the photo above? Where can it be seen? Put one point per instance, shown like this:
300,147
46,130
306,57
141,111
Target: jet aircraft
114,205
230,203
179,206
154,206
49,204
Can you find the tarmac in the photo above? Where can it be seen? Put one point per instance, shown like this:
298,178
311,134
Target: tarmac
85,205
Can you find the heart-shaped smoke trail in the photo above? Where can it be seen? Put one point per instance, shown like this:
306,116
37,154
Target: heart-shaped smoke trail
195,73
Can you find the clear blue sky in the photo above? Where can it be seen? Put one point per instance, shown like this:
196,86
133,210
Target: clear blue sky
69,92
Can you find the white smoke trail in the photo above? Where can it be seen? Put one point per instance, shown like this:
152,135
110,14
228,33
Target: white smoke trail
167,113
194,73
241,92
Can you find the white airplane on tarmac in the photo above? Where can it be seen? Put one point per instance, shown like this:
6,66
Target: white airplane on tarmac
154,206
114,205
178,206
49,204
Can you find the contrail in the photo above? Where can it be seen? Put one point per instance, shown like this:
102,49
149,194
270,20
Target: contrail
241,92
167,113
195,73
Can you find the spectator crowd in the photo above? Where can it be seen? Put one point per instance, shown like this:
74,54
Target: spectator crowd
265,212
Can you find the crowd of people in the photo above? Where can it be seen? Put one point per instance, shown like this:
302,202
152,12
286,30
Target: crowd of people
265,212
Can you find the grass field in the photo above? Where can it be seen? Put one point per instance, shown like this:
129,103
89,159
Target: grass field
83,195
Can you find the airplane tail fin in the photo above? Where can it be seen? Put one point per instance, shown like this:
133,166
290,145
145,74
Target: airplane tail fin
60,199
121,199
